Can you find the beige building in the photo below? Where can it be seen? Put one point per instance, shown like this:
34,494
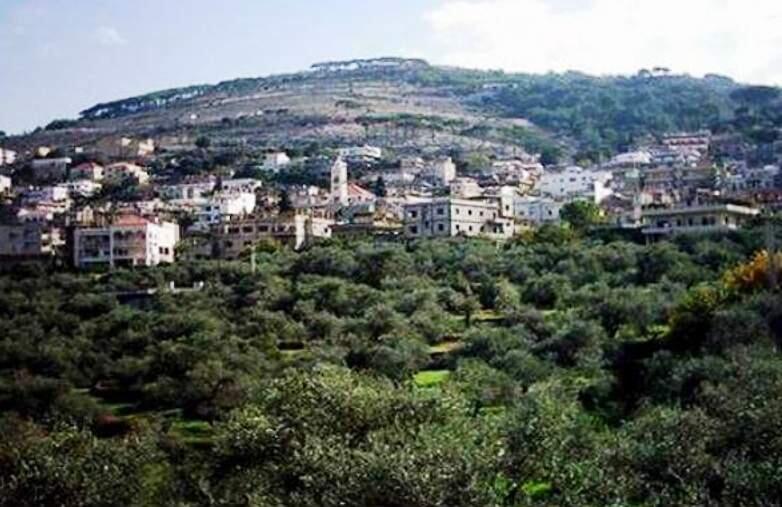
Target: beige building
29,240
445,217
129,240
696,219
123,170
293,229
125,147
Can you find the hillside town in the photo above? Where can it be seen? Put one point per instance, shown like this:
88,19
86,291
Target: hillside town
122,201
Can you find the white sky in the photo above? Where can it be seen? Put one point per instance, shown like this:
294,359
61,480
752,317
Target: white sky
739,38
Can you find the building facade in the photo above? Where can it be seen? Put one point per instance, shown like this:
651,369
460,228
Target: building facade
447,217
128,241
696,219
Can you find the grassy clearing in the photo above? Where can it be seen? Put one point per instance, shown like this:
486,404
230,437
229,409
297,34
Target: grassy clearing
431,378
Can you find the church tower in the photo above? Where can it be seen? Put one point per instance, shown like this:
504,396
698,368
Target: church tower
339,182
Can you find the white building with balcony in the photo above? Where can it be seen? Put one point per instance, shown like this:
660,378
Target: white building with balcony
698,218
128,241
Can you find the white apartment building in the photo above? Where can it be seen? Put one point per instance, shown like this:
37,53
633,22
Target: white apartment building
222,206
7,157
5,184
130,240
446,217
576,182
698,218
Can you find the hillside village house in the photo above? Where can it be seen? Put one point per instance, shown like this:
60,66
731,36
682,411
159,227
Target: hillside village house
535,211
442,171
130,240
447,216
7,157
29,240
697,218
125,170
5,184
275,161
222,206
576,182
87,171
125,147
237,235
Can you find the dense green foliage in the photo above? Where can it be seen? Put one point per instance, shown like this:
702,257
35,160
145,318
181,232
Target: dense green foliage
556,370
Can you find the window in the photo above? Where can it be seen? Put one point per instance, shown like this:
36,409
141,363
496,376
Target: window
413,229
263,228
413,214
441,211
471,228
469,212
247,229
440,227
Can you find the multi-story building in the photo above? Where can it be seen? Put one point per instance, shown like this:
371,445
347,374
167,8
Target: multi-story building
129,240
29,241
752,180
682,179
446,216
125,170
237,235
87,171
576,183
534,211
7,157
687,141
222,207
697,218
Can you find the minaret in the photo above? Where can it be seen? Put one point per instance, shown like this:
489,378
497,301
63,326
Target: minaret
339,182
